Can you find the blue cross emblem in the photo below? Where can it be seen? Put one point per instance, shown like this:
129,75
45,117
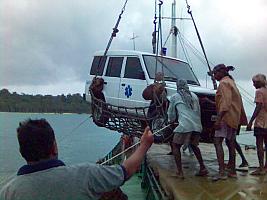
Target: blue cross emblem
128,91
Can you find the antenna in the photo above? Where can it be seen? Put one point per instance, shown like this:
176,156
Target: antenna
133,39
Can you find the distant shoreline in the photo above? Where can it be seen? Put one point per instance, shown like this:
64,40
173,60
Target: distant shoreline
24,103
46,113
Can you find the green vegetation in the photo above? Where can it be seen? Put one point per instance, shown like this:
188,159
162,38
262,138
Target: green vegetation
42,104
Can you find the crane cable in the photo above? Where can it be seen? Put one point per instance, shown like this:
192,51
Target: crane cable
201,44
113,34
159,38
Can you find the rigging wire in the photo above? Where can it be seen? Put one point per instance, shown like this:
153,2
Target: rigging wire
184,50
202,46
113,34
122,152
196,52
247,96
159,38
168,37
74,129
181,18
155,29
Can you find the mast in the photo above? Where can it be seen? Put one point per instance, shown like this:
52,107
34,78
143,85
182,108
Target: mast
174,31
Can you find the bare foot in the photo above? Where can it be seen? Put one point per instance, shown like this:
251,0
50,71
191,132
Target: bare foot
180,175
258,172
202,172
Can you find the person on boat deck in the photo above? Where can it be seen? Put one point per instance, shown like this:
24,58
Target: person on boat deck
243,121
157,93
260,124
228,105
184,105
46,177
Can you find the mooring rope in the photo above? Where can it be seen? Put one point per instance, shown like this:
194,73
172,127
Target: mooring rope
74,129
122,152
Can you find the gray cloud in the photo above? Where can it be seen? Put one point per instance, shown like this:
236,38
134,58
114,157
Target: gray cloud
48,42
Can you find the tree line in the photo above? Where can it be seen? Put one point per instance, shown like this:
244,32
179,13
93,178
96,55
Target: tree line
13,102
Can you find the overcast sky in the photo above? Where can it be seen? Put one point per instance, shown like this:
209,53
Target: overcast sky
46,46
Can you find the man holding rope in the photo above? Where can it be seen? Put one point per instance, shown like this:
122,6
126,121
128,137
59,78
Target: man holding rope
46,177
184,108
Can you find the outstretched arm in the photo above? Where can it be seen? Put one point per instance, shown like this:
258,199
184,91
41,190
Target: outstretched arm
135,160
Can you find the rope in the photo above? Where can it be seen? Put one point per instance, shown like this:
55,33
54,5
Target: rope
248,95
113,34
122,152
198,54
74,129
159,36
184,49
167,38
195,51
155,29
201,44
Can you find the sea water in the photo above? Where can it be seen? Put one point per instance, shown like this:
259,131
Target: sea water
79,140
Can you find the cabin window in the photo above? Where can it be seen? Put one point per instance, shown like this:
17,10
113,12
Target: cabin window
98,65
114,66
133,69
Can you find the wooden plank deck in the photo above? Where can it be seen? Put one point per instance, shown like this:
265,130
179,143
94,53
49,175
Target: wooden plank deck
195,188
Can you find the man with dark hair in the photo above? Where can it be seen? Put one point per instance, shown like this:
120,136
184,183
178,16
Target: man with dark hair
46,177
229,106
36,140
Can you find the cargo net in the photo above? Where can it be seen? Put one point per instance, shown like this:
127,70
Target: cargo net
130,121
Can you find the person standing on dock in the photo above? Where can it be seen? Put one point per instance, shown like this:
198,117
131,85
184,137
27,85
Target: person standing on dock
184,107
243,122
228,105
260,125
47,177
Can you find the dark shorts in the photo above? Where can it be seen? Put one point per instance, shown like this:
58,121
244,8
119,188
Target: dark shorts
186,138
260,131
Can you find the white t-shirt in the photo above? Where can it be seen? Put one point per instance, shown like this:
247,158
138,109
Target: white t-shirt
189,120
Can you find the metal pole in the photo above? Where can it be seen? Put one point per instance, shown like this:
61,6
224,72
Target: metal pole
174,32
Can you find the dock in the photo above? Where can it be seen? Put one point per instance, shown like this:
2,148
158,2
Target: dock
245,186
